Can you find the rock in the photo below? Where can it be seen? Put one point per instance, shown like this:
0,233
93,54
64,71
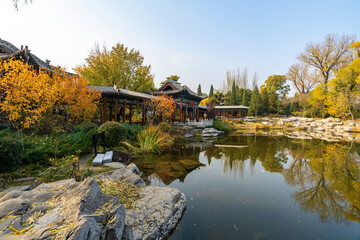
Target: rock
157,213
188,136
211,133
190,164
71,210
114,165
24,179
17,206
134,168
123,174
347,129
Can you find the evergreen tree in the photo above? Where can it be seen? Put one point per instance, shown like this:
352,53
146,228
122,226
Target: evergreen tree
239,95
265,101
211,94
256,103
233,95
199,90
245,98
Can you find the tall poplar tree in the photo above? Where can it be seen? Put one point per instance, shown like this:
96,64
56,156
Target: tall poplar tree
244,101
199,90
211,94
233,94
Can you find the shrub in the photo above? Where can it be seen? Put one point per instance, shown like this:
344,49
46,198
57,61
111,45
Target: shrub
165,127
11,153
86,127
222,126
64,168
114,133
132,131
39,149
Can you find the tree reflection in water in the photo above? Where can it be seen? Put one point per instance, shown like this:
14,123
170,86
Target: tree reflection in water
325,176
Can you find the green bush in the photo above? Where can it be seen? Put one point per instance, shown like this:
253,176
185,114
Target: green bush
165,127
132,131
86,127
114,133
221,126
11,153
39,149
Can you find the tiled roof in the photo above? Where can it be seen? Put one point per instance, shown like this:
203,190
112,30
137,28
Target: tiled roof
111,91
172,82
10,51
183,89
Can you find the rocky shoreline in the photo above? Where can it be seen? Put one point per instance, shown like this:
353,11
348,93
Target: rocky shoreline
328,129
79,210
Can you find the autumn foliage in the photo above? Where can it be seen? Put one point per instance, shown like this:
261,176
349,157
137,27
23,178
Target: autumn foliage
28,95
162,106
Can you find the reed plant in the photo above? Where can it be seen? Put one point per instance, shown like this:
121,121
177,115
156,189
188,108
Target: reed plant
151,139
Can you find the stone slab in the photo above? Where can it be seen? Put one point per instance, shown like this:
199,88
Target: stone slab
108,157
98,159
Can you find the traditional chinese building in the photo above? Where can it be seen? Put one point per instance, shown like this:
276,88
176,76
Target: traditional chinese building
186,100
238,111
9,51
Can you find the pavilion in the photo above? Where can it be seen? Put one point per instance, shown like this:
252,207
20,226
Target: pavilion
186,100
237,111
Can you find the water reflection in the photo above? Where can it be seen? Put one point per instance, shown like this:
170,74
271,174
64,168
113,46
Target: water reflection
325,177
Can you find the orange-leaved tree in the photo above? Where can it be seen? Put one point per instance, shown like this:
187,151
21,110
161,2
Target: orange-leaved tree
27,95
162,106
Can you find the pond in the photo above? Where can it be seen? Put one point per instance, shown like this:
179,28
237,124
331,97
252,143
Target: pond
262,187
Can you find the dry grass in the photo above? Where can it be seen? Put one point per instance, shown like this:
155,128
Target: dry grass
126,192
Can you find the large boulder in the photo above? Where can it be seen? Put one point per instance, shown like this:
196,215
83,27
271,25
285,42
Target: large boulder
65,209
71,210
157,213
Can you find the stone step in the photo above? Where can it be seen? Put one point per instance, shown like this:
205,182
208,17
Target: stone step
98,159
108,157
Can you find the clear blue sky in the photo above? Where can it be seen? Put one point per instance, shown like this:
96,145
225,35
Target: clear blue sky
196,39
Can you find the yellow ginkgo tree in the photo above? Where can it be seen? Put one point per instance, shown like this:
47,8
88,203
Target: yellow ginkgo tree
27,95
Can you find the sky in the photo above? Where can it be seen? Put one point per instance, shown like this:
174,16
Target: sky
199,40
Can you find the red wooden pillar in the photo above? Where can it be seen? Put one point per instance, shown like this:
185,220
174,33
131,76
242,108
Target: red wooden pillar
116,110
232,113
124,112
180,111
130,110
104,111
143,114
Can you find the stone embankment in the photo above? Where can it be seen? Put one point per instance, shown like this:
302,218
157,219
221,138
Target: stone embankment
329,129
211,133
79,210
